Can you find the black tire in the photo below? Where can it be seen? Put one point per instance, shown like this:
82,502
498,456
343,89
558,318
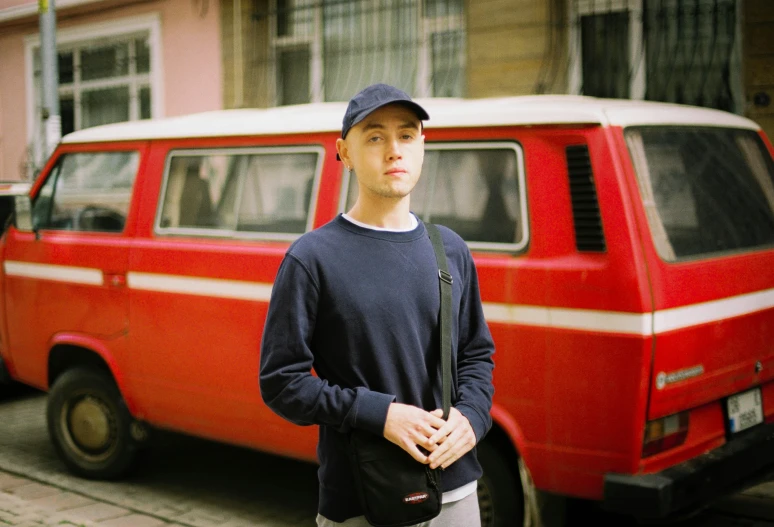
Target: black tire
89,424
500,497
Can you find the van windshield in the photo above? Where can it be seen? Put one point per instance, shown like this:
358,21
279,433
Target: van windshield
705,190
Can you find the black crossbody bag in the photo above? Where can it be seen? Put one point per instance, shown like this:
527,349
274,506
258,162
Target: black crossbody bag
394,489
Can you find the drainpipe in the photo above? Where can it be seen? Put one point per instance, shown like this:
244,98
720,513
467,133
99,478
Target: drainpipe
238,65
50,77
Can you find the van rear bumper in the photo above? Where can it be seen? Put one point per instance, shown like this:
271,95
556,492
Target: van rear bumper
739,464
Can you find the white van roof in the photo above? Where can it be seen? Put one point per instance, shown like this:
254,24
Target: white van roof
444,113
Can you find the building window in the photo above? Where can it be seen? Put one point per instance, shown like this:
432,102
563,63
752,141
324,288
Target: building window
108,72
605,54
692,53
607,48
680,51
102,81
327,51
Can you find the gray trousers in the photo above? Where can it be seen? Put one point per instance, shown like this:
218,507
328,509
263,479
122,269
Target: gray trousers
462,513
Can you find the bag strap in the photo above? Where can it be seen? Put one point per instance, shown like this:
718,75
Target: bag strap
445,280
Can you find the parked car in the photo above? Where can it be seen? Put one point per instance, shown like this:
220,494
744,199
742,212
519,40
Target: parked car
624,252
8,192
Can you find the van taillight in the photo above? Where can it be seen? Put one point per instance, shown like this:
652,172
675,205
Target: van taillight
665,433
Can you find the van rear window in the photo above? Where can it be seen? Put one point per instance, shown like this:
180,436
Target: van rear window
475,189
263,192
705,190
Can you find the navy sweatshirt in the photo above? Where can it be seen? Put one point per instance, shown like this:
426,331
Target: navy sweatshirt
361,307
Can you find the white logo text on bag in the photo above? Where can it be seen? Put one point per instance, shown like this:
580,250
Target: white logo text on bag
417,497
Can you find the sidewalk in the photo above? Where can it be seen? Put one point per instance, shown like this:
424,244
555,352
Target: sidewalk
26,503
190,482
757,502
181,481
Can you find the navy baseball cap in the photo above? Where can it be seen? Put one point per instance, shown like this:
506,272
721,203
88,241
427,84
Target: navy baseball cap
373,98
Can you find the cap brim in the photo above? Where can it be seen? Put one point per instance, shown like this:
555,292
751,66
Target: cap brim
421,112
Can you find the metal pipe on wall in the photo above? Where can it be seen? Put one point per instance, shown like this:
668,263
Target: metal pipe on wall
52,129
238,59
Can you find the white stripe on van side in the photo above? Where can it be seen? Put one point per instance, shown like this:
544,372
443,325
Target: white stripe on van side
56,273
554,317
583,319
631,323
190,285
693,315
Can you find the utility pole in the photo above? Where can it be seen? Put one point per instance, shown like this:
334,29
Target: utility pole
52,130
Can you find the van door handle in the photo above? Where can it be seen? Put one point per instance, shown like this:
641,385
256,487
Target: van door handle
115,279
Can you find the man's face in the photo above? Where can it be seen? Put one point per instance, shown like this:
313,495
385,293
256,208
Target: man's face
386,150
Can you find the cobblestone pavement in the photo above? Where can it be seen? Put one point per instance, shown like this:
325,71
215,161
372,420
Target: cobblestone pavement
181,480
26,503
188,482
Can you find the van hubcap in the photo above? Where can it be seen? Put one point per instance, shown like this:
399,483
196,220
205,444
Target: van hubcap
90,424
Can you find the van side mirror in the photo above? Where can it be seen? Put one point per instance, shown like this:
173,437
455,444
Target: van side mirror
22,213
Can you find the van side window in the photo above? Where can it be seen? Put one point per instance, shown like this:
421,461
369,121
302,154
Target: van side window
474,189
87,192
223,193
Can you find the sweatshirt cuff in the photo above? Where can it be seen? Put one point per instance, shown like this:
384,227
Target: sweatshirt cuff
372,410
480,426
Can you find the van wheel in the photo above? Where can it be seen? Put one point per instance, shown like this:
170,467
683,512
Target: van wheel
500,498
89,424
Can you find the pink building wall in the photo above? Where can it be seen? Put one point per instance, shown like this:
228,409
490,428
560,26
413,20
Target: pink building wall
190,53
13,120
4,4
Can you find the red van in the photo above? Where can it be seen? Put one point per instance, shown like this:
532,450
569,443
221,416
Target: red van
625,253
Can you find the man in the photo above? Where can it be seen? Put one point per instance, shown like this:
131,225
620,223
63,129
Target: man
358,301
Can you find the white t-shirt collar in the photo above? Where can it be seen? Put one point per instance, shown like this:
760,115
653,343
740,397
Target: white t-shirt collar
414,223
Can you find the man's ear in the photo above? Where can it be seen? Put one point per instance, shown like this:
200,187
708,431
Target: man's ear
343,151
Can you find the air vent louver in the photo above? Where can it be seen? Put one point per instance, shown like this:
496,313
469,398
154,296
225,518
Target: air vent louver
585,205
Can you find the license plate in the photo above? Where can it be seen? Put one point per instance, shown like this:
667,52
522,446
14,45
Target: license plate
745,410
